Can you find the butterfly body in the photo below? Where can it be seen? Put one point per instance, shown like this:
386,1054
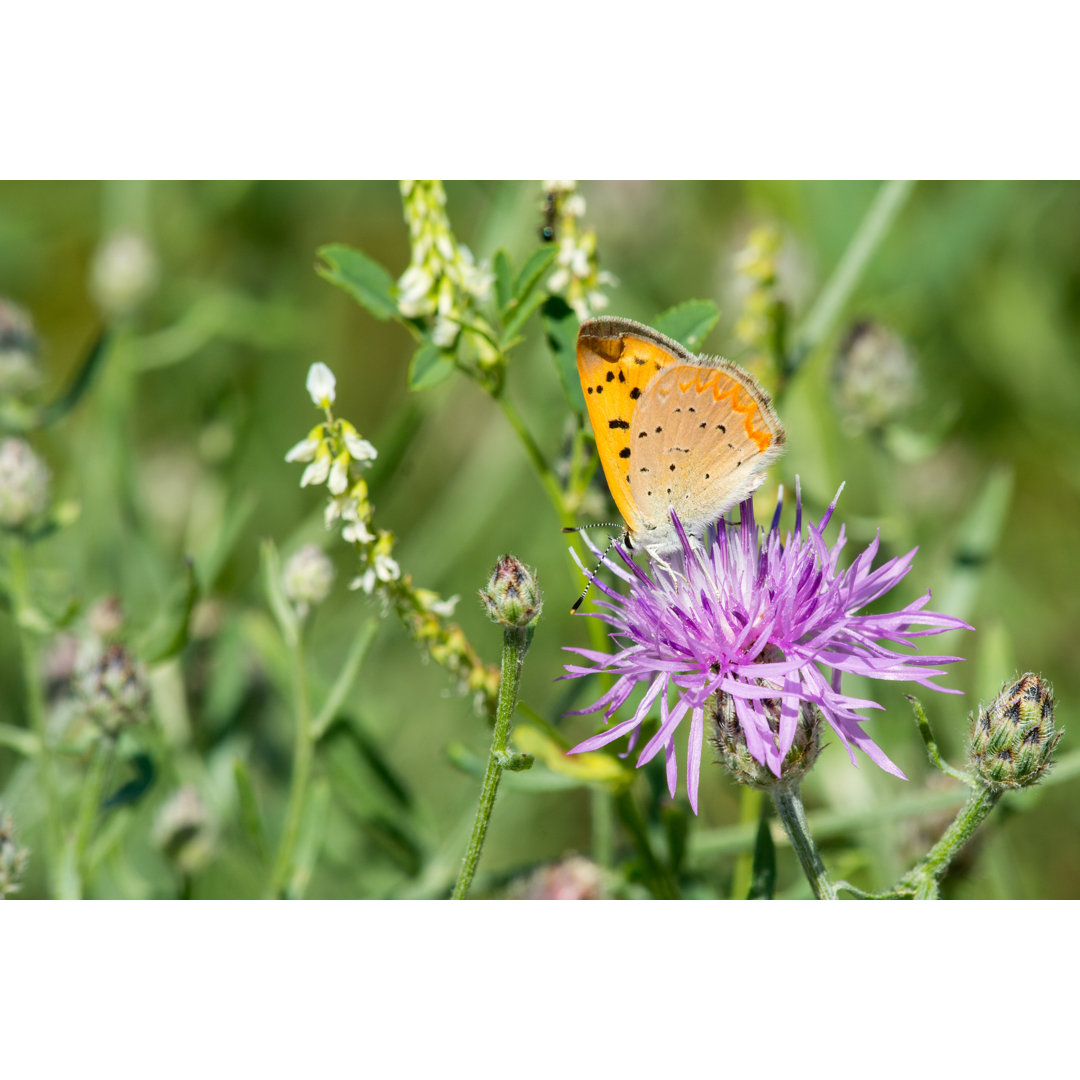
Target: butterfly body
674,431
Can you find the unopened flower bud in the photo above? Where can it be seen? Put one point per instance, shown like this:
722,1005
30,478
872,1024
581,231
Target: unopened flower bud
307,577
1013,738
124,273
184,832
18,351
730,742
113,690
24,483
13,858
875,378
512,596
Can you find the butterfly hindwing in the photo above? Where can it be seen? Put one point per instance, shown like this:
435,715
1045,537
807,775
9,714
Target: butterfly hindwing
701,439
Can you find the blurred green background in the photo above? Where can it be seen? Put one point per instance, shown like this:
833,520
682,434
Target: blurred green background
177,449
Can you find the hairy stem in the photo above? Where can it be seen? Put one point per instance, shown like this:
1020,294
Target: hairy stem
789,809
515,645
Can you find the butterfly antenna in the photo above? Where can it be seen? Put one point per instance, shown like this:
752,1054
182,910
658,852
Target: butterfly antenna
611,543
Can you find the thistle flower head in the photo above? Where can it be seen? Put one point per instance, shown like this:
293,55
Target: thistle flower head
113,691
24,484
19,370
307,577
512,596
124,272
762,619
1013,738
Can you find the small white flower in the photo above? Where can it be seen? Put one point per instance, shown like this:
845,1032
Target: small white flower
445,608
445,333
339,475
360,449
559,187
356,532
320,385
365,581
574,206
597,300
559,280
386,569
303,450
414,291
318,470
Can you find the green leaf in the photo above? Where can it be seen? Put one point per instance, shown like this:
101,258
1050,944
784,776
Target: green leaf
169,634
17,738
134,789
429,366
346,677
365,280
250,817
688,323
67,401
763,885
561,328
503,288
534,268
522,313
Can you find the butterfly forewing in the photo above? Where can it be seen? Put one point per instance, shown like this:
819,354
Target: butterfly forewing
700,440
617,360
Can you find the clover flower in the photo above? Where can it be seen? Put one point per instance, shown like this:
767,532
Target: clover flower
576,274
760,619
443,279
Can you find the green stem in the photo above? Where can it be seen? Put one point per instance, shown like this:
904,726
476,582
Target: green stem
89,807
887,204
303,754
35,703
515,645
539,462
924,879
789,809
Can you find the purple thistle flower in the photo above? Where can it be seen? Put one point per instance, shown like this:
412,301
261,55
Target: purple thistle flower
700,624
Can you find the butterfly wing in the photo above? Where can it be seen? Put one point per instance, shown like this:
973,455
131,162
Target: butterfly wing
701,438
617,360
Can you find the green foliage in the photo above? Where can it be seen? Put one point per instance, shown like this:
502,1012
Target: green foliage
165,428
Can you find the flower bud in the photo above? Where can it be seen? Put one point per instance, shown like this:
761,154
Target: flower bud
184,832
24,483
307,577
124,272
113,690
18,351
730,742
1013,738
512,596
875,378
12,858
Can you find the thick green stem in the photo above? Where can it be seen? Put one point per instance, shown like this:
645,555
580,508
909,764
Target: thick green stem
515,645
924,879
303,754
789,809
887,204
35,703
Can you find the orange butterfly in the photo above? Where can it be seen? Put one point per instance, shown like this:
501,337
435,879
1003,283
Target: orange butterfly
674,431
